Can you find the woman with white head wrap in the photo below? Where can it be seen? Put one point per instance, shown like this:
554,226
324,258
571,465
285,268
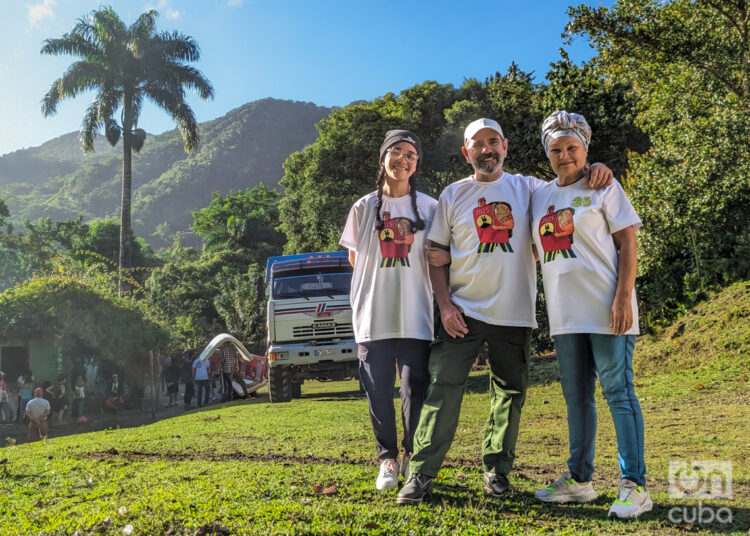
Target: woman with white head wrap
586,240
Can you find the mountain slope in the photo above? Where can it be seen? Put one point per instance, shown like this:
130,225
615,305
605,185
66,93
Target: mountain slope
711,341
246,146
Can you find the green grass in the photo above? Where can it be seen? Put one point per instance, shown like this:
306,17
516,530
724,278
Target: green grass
250,468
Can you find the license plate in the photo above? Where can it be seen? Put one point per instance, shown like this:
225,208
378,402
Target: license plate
324,325
316,286
322,353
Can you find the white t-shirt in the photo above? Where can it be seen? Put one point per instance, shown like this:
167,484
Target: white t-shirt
37,406
580,273
201,368
391,294
492,271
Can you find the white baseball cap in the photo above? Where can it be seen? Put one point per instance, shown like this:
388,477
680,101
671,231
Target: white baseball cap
479,124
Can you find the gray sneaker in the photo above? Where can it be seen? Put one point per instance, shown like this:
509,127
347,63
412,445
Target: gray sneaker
415,490
565,490
632,500
496,484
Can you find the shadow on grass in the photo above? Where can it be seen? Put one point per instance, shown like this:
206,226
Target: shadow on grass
670,515
336,396
540,373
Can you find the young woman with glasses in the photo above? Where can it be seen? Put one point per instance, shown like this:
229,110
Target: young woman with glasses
391,297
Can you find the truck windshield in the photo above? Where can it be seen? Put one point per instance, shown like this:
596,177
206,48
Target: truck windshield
307,285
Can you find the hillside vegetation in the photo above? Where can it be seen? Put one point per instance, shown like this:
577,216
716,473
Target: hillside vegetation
239,150
713,338
307,467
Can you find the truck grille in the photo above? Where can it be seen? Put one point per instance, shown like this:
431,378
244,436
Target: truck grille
312,330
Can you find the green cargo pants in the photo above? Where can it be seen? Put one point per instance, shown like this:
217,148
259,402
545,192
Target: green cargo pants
450,363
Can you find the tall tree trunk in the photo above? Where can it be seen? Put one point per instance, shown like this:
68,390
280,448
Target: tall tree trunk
125,232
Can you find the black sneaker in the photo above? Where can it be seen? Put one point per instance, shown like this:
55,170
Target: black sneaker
417,487
496,484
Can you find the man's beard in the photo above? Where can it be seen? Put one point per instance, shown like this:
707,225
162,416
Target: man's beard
488,165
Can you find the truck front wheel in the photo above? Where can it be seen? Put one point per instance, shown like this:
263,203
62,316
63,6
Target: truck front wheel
280,384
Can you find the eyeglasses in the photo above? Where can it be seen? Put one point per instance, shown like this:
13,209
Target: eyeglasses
398,153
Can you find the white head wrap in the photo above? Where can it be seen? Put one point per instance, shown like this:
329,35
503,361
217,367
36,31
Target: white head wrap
562,123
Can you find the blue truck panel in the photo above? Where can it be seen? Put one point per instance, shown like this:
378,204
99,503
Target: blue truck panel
311,258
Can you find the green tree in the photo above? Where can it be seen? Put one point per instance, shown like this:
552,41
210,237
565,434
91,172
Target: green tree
657,39
4,215
182,292
688,62
243,220
78,315
200,294
241,304
126,65
608,104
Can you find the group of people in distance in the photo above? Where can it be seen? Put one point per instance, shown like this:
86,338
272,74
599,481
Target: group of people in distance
476,249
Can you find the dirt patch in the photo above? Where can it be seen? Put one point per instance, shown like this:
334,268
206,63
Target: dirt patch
282,458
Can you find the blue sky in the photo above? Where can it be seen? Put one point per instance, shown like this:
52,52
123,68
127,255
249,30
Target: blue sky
329,52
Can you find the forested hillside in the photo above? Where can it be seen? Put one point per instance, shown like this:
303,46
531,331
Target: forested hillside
239,150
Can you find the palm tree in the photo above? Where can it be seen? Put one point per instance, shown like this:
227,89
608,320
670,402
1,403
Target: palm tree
126,65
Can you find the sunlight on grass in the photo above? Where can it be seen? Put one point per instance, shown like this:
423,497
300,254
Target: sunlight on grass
250,467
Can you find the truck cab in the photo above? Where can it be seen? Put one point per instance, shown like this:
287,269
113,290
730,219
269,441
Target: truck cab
310,333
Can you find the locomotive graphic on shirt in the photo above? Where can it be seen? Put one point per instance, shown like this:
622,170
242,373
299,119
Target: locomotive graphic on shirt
556,233
494,223
396,238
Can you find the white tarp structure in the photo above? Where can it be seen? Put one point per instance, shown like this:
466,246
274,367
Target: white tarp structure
260,377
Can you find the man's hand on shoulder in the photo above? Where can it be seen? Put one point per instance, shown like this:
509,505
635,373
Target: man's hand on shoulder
599,176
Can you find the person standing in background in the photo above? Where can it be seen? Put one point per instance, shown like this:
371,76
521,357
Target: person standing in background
6,413
59,400
37,410
172,374
229,366
200,378
187,378
114,394
79,399
25,393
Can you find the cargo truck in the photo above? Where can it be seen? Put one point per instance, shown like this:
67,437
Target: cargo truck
310,333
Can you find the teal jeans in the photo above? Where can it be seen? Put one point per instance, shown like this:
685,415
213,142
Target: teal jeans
450,363
582,357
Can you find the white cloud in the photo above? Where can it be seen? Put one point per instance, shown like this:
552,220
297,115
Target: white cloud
38,12
164,7
235,3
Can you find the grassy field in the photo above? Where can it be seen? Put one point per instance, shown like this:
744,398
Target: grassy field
253,467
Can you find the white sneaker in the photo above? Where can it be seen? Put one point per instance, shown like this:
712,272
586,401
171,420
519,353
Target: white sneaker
405,465
388,475
632,501
565,489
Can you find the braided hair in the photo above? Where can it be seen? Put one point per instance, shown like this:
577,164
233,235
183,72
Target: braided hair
418,224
